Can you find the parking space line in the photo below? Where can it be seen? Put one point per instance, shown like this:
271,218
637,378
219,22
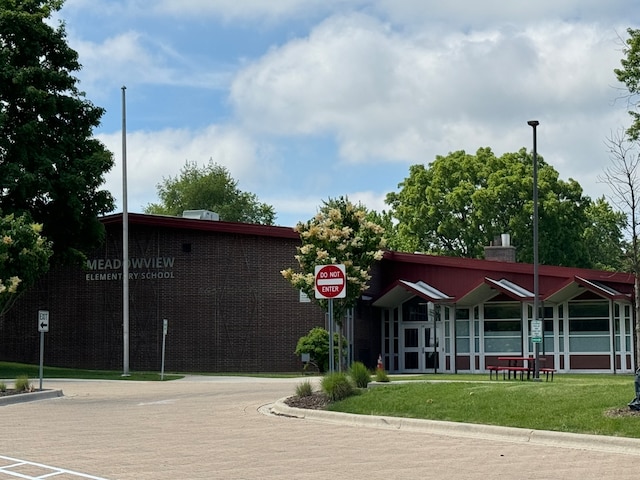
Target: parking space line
14,467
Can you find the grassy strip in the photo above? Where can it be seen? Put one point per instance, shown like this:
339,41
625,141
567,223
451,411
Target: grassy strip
572,403
10,370
14,370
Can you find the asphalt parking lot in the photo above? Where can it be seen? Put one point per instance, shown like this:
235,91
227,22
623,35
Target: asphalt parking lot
219,428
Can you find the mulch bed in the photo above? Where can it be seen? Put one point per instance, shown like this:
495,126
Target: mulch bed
315,401
622,412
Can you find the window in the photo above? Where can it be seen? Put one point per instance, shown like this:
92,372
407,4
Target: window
589,327
502,336
501,311
502,328
462,331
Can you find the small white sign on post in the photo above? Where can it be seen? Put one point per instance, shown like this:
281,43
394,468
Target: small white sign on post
536,331
43,327
43,321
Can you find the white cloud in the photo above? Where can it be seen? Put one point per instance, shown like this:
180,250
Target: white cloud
468,14
153,156
386,80
372,200
246,9
134,58
390,96
417,13
301,207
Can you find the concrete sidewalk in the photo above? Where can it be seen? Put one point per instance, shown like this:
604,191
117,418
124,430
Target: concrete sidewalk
216,427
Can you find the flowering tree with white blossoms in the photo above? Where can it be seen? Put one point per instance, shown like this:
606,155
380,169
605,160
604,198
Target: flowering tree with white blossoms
24,257
339,233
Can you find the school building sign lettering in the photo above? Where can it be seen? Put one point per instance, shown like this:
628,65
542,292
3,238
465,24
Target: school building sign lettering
152,268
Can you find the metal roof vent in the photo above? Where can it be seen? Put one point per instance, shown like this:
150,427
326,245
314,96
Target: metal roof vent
201,215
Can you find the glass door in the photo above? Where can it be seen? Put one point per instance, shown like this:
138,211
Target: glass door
421,352
431,350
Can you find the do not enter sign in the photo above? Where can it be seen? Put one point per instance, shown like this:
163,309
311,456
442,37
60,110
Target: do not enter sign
331,281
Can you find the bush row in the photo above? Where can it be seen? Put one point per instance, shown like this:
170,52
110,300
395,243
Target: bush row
339,385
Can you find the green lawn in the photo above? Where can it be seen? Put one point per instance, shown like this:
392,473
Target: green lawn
11,371
571,403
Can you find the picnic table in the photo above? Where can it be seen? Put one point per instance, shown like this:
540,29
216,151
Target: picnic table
518,365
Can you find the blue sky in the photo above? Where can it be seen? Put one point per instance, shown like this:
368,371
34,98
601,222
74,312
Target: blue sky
303,100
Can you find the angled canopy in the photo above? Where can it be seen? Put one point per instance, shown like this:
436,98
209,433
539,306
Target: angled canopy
579,285
489,288
403,290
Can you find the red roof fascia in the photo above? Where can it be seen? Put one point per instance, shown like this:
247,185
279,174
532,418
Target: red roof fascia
165,221
511,267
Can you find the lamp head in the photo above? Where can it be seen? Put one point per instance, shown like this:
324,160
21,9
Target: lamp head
533,123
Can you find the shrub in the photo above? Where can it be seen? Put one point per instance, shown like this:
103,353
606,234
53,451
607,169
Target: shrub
316,344
304,389
3,387
381,375
23,384
360,375
337,386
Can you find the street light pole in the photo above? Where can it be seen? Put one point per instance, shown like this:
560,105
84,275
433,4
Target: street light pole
534,124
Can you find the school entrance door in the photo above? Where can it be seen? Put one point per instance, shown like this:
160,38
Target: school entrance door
421,351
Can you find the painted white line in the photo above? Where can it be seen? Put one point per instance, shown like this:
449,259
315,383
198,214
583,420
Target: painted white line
12,470
158,402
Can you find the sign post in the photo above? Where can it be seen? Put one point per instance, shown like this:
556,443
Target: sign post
43,327
165,326
330,283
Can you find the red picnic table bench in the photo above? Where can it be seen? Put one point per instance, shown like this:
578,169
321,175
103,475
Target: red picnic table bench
517,365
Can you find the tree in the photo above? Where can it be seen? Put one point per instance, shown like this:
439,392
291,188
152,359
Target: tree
339,234
629,74
50,166
459,203
210,187
622,178
603,236
24,257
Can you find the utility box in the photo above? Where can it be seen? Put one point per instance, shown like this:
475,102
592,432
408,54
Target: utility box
201,215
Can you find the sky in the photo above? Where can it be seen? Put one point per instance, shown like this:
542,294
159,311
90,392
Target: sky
306,100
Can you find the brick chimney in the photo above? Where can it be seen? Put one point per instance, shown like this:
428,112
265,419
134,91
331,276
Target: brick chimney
501,250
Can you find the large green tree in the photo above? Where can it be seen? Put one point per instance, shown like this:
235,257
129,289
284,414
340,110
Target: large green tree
50,166
629,75
209,187
459,203
603,236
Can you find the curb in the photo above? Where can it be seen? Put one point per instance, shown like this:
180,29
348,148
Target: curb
628,446
30,397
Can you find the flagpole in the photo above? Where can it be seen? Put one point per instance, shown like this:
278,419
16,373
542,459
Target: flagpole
125,242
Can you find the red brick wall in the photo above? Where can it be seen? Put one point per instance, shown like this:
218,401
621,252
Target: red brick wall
228,307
